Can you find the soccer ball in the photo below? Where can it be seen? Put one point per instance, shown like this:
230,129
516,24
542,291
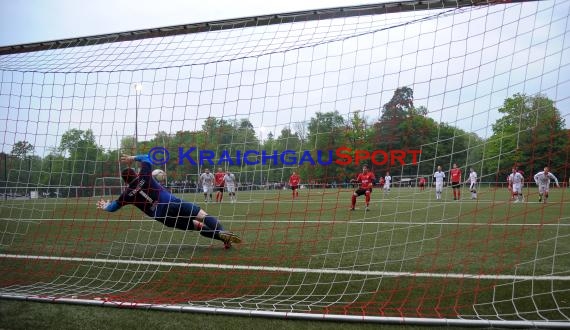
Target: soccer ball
159,175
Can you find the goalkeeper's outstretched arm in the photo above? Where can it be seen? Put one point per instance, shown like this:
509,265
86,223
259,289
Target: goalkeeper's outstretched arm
146,169
108,205
146,165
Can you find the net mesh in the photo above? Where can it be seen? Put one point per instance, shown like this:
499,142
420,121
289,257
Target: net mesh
484,86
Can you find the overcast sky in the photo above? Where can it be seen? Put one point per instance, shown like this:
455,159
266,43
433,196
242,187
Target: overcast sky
461,67
25,21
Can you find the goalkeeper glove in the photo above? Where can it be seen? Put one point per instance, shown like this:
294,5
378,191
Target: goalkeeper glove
102,204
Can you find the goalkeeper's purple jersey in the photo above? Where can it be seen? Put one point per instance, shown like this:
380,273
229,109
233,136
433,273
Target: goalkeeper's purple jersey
147,194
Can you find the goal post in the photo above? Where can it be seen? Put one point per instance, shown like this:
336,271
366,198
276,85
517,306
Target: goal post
450,92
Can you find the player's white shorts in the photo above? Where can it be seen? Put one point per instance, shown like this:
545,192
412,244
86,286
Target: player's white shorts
439,186
386,186
208,189
543,188
517,188
231,188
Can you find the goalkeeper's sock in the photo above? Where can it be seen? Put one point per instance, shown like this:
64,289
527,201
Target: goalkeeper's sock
367,198
208,232
213,223
353,201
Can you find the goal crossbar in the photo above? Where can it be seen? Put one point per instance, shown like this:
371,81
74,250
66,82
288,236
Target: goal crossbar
251,21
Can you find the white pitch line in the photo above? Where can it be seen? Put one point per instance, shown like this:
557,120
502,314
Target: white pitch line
351,222
296,270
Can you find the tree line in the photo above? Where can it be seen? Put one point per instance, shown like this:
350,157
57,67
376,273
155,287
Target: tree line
530,134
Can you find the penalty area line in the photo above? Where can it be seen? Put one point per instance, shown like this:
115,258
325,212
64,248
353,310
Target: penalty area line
294,270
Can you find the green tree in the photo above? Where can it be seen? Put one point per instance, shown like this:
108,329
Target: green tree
82,156
421,133
357,133
244,135
326,131
24,164
288,140
128,144
218,133
389,130
269,141
530,135
300,129
400,106
184,140
22,149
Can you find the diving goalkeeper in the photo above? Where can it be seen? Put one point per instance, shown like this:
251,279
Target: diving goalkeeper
145,193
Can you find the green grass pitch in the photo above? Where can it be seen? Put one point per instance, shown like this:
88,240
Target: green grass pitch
408,255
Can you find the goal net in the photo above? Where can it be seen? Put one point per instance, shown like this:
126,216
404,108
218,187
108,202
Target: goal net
478,88
107,187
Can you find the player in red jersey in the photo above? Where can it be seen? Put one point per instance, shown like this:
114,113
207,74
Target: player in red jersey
366,180
381,182
219,184
455,174
294,181
422,183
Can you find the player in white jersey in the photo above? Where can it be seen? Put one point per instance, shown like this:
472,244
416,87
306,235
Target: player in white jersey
516,179
510,186
472,183
230,182
387,182
542,179
439,176
207,182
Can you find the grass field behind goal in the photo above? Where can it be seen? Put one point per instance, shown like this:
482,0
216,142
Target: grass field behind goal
409,255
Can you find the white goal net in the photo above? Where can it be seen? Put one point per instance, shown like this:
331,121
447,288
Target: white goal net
473,93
